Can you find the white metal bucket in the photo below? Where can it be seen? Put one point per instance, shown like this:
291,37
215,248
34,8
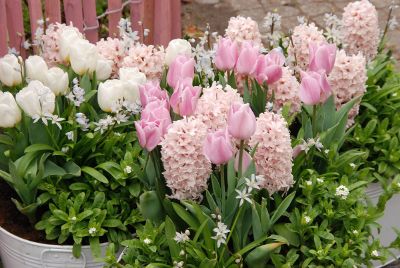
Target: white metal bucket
389,220
21,253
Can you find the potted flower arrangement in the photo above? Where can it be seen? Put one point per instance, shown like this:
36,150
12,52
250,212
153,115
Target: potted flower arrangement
67,152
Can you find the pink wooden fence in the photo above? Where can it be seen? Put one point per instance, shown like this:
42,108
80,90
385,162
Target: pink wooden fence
161,17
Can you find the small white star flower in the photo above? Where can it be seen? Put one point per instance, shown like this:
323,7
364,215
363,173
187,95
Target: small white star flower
65,149
220,233
181,238
374,253
309,183
147,241
342,191
252,183
243,196
353,165
73,218
355,232
70,135
128,169
92,230
307,219
319,180
326,151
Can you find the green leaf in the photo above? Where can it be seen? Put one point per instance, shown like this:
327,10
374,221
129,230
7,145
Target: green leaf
256,223
76,250
150,206
291,237
38,147
95,246
51,169
95,174
189,219
282,208
98,200
112,223
258,257
79,186
170,233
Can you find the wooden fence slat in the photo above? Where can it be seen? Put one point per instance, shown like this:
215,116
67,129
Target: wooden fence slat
35,14
148,21
53,11
91,22
15,25
114,18
176,31
136,16
162,22
73,13
3,28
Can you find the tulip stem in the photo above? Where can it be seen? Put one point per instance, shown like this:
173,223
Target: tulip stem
222,170
241,148
314,121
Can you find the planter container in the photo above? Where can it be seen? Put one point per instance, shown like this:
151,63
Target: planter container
16,252
389,220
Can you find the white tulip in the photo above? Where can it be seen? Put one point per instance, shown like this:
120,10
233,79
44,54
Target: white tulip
83,56
103,69
36,68
10,70
36,99
177,47
10,113
110,93
132,74
68,37
57,81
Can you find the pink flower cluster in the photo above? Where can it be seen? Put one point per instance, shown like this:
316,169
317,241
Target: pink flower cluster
302,36
347,81
243,29
51,49
112,49
273,157
361,29
186,167
247,60
147,58
286,90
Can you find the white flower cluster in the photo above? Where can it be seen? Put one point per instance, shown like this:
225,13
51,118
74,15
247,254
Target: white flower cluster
182,237
220,232
251,184
333,28
82,121
128,36
272,22
54,119
307,145
204,56
77,95
342,192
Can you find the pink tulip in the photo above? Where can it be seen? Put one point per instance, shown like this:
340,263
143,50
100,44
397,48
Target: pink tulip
182,67
322,57
314,88
149,134
266,71
246,160
247,58
184,99
275,57
241,121
218,147
226,54
155,111
152,91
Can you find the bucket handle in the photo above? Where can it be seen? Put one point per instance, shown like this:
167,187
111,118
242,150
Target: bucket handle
59,251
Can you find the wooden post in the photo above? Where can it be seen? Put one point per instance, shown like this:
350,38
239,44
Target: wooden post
35,14
15,25
73,13
148,21
176,31
114,18
3,28
136,16
91,22
53,10
162,22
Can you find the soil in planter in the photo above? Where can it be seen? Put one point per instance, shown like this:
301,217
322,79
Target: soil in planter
13,221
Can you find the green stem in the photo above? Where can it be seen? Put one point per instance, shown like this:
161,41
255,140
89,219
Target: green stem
52,138
230,233
241,149
159,188
222,169
314,121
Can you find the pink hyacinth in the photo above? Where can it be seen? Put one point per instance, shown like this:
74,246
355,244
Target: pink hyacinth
50,43
347,81
213,106
226,54
273,156
302,36
314,88
243,29
112,49
360,29
181,69
322,57
148,59
187,169
152,91
184,99
286,90
218,147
